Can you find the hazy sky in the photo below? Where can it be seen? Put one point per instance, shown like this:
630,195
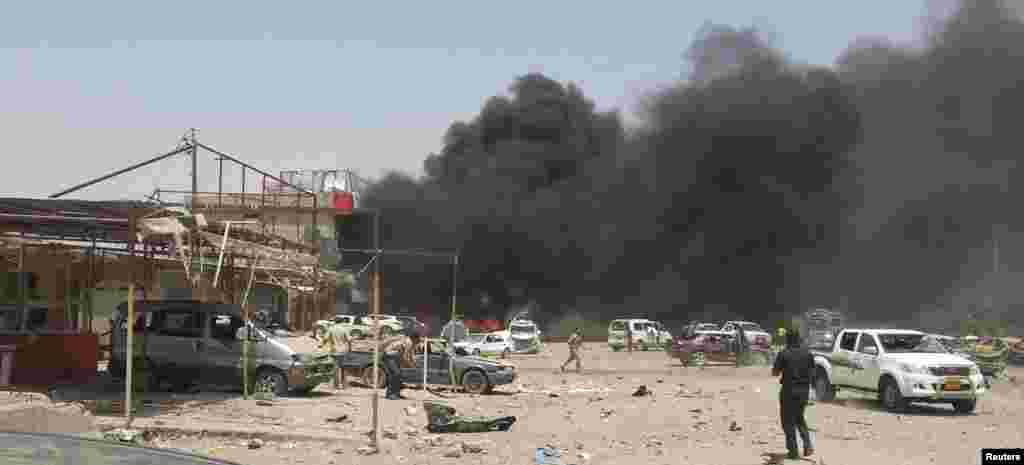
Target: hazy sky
86,89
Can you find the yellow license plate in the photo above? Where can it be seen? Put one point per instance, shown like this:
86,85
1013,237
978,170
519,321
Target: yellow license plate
951,384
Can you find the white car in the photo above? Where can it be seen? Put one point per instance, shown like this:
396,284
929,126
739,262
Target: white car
753,331
495,343
524,336
900,367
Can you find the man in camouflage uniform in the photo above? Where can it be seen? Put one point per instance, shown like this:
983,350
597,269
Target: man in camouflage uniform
575,342
334,340
399,352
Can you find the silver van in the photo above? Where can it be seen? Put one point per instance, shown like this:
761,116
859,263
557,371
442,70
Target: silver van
190,342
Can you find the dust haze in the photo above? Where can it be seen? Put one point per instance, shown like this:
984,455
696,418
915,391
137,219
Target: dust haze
752,188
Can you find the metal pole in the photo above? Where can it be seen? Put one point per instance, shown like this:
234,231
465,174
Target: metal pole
245,342
129,353
220,181
195,166
455,292
121,171
375,293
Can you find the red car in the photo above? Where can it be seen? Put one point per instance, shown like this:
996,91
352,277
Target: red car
713,346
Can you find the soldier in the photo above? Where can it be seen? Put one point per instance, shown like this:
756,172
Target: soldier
796,367
335,341
399,352
575,342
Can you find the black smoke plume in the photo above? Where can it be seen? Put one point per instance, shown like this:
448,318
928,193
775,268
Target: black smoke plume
753,188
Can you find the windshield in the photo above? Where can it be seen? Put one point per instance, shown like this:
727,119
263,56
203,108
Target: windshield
707,327
523,329
750,326
474,338
910,344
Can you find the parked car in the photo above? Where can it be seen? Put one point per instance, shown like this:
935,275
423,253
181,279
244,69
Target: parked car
496,343
355,326
524,336
390,324
900,367
712,346
646,334
202,342
411,322
476,374
755,334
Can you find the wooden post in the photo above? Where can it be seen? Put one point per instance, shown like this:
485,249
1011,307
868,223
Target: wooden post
129,354
375,297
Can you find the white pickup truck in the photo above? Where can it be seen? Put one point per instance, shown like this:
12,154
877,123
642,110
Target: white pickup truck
899,366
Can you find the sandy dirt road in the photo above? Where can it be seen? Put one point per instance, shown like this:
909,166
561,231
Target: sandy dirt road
715,416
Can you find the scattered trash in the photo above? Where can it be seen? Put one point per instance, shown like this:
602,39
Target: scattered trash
123,435
552,394
642,391
454,451
473,447
255,443
858,422
548,456
366,450
264,403
696,410
605,412
337,419
734,427
389,434
411,411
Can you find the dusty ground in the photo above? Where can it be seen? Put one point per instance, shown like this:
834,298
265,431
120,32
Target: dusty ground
594,418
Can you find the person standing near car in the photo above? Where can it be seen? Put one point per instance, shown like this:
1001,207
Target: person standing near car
796,366
399,352
334,340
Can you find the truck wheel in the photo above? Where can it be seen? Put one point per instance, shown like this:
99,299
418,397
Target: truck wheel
891,397
823,389
271,380
476,352
965,406
616,348
475,382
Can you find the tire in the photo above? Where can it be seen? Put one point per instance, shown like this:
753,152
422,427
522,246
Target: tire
356,334
890,396
616,348
304,391
475,382
476,352
367,377
272,379
965,406
823,389
506,353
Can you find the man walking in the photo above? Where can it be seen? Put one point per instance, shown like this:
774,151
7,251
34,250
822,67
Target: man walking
575,342
399,352
796,366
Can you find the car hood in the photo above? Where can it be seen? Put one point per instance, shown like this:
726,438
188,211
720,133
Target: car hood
931,359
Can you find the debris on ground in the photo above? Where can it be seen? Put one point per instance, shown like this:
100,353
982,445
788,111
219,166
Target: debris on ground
124,435
735,427
264,403
366,450
337,419
255,443
642,391
605,412
454,451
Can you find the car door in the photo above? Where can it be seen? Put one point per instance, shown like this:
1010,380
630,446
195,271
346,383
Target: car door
843,358
177,342
865,368
222,353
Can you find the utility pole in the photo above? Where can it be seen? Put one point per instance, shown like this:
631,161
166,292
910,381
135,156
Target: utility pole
375,297
195,164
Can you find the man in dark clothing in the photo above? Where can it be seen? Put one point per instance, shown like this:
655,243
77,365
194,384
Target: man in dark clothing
796,365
